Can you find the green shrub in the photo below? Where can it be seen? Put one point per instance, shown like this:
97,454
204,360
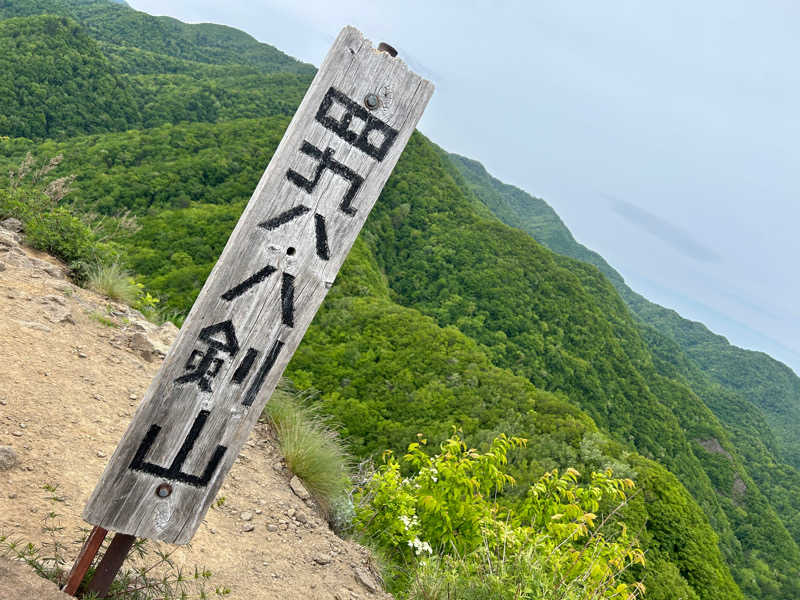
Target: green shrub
450,537
314,452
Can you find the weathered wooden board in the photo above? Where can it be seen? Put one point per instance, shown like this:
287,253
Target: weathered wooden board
271,278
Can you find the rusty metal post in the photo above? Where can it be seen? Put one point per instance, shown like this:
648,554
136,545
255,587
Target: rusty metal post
84,560
109,566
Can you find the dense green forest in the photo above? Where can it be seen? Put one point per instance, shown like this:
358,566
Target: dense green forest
757,377
464,302
756,397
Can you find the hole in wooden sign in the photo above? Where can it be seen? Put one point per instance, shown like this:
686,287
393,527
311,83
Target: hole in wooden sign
290,251
163,490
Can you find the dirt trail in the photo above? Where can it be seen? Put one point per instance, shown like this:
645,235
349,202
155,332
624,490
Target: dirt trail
72,370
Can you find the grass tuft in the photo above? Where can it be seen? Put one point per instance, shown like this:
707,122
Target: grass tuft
113,281
313,450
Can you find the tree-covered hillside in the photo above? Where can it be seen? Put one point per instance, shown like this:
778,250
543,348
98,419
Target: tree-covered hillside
755,396
760,379
443,315
126,32
59,79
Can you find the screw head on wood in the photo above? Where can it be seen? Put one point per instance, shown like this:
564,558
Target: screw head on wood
371,101
384,47
163,490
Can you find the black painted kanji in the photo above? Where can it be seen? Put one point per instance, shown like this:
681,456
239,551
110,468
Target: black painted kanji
175,471
287,306
244,367
251,281
322,237
203,366
320,231
287,300
327,162
284,217
372,125
261,375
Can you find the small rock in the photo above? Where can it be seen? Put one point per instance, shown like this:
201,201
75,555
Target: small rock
33,325
82,355
290,513
298,488
16,433
366,580
248,527
12,224
259,511
301,517
139,343
2,266
277,467
53,299
53,271
59,315
8,458
132,397
23,426
101,454
12,496
246,516
322,559
272,528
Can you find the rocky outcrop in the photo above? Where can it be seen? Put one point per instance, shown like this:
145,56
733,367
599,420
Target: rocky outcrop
714,447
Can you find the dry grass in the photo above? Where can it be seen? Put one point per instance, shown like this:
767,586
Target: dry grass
312,448
113,281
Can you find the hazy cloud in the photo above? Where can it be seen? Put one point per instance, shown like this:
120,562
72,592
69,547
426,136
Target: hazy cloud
680,239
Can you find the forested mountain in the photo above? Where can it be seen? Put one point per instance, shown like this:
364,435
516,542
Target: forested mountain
444,314
769,384
754,395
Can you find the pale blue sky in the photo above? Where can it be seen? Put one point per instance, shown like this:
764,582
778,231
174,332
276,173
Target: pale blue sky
666,136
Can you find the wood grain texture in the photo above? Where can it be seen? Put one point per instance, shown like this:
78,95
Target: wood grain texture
271,278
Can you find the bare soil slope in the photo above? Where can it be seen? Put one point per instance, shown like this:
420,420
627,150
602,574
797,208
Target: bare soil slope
73,367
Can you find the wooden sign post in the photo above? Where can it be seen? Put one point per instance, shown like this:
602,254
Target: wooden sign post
261,296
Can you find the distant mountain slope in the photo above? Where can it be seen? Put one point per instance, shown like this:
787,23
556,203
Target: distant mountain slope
118,24
79,69
755,396
766,382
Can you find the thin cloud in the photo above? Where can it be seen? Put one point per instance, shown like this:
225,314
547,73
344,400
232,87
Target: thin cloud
670,234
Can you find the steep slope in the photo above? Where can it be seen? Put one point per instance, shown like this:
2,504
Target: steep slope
751,393
177,247
762,380
71,380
